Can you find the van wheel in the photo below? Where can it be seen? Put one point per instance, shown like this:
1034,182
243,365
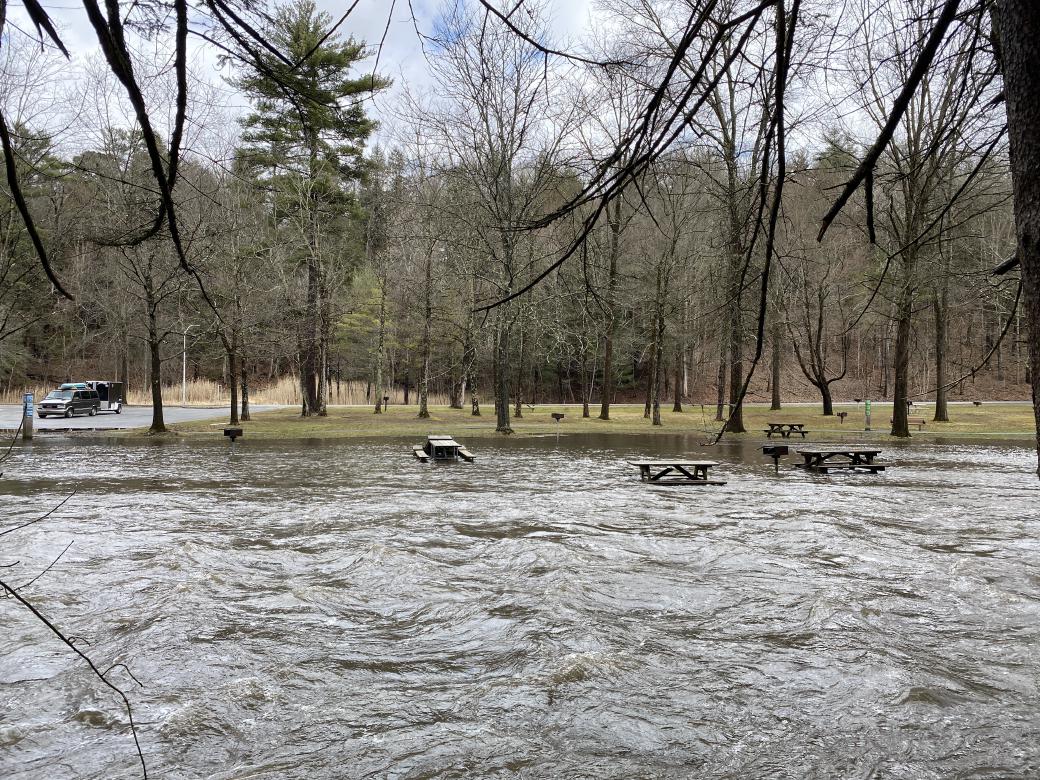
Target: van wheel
119,410
68,412
43,416
93,411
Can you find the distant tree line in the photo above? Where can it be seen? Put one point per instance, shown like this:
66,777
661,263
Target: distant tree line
400,267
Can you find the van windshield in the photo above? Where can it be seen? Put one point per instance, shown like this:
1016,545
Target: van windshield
60,394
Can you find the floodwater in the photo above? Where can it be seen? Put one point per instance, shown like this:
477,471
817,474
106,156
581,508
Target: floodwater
338,610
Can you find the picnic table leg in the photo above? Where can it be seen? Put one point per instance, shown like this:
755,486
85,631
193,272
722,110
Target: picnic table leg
657,476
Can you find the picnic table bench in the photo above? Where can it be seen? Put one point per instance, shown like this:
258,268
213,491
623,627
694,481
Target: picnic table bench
918,421
838,457
676,472
784,429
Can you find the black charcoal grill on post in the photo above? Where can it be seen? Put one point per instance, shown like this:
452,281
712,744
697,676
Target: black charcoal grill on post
232,433
775,451
557,416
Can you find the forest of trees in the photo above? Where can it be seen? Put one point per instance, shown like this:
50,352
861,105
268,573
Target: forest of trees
305,252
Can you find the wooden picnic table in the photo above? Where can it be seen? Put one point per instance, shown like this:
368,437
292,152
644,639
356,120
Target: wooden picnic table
785,429
839,456
441,448
677,472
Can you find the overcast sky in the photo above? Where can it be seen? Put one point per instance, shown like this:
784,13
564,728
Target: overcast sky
402,57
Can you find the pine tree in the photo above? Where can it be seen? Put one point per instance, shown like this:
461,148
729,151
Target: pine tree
306,139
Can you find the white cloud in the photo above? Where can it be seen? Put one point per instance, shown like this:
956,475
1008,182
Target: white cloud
401,56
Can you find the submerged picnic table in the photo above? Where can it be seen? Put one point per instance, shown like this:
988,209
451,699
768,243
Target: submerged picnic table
838,456
676,472
441,448
785,429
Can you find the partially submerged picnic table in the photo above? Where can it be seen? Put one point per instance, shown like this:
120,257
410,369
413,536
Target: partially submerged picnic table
441,448
676,472
784,429
840,456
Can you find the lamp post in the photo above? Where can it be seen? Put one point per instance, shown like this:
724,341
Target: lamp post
184,365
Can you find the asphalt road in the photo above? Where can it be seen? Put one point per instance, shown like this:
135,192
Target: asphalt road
131,417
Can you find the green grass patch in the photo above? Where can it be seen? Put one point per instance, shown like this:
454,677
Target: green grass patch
344,422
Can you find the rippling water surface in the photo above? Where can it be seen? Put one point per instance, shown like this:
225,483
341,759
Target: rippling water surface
338,610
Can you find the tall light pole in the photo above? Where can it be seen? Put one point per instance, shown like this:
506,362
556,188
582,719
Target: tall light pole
184,365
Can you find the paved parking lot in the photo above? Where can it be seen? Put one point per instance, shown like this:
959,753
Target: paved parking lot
131,417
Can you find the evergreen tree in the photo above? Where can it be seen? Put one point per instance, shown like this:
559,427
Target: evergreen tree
305,139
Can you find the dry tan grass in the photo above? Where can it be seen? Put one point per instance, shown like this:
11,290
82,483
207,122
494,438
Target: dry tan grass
204,392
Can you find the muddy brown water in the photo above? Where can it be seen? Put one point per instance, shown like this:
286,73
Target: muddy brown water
338,610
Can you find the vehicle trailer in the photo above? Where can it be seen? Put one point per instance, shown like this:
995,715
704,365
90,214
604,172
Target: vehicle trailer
112,394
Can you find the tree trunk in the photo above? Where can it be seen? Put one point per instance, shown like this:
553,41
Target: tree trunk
735,424
381,346
658,359
900,396
774,337
245,394
457,391
124,364
518,411
720,382
584,369
1018,30
648,400
232,355
939,306
424,378
502,375
155,373
309,340
828,401
324,345
611,333
677,404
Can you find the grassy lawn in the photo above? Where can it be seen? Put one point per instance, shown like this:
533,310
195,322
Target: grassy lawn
995,420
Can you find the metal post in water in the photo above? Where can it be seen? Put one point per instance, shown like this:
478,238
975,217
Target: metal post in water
27,416
232,433
557,416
